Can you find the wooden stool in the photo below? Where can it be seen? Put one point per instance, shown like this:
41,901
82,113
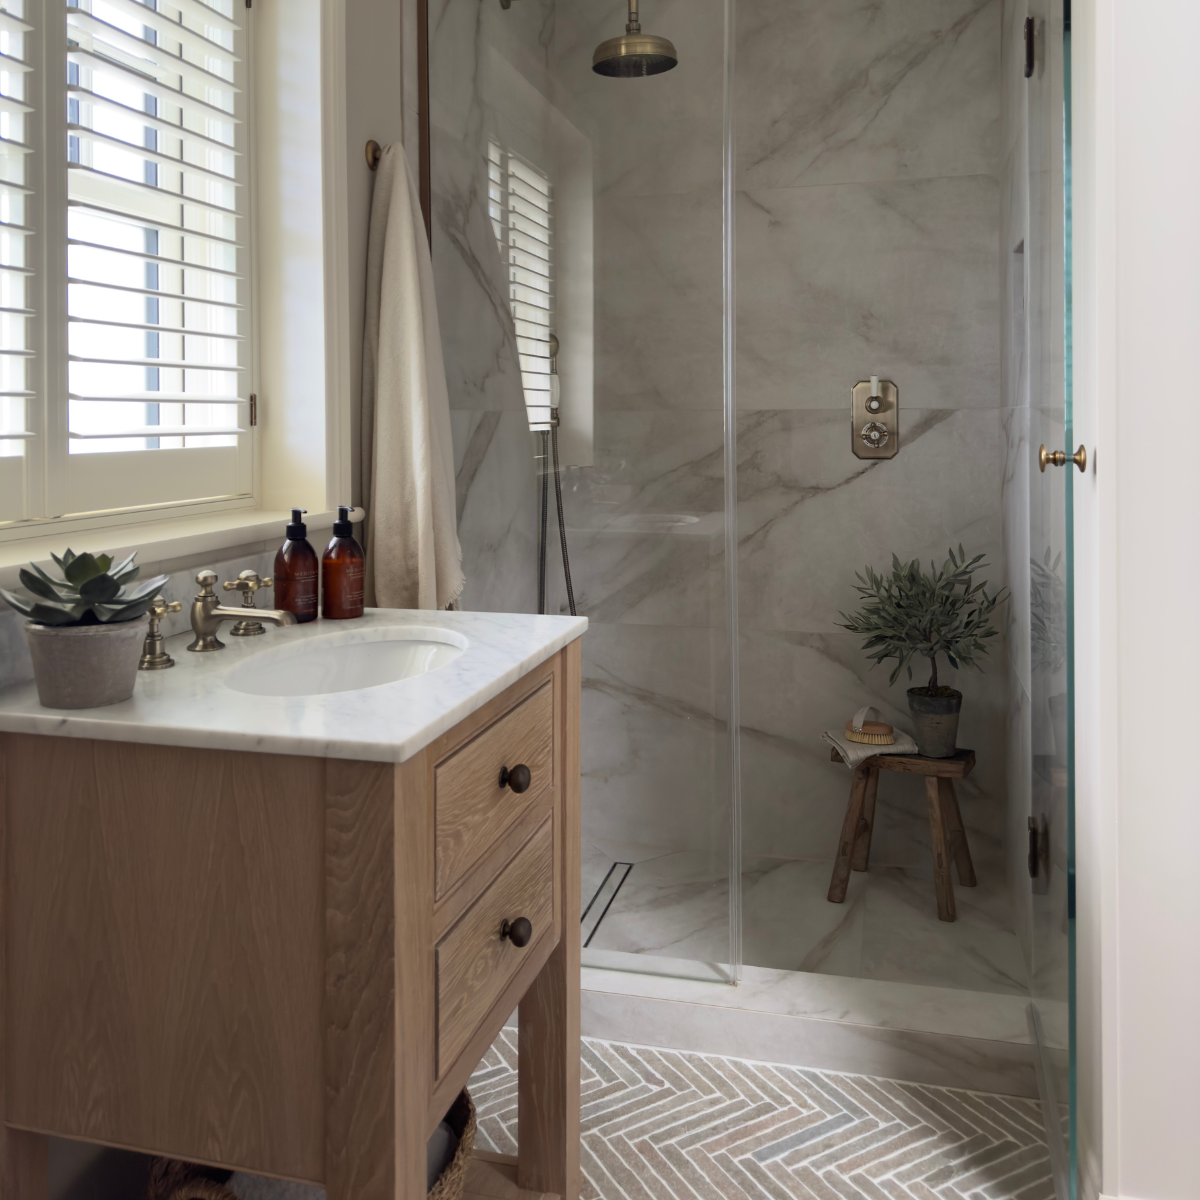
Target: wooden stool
946,830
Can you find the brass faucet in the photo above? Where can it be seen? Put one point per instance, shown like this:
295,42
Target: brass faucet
207,615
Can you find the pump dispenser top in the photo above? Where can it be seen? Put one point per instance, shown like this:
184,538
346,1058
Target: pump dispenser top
297,528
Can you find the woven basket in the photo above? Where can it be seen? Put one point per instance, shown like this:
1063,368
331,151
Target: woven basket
171,1179
460,1118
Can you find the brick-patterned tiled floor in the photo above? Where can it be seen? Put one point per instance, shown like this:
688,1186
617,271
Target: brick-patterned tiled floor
667,1125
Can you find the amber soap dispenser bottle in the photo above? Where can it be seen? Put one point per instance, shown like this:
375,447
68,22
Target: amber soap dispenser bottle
296,572
342,573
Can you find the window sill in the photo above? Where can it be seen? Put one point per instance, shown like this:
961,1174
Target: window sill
160,542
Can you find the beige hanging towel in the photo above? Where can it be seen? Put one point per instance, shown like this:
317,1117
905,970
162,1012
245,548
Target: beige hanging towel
414,559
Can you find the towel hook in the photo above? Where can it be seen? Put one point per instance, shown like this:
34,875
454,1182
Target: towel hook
374,153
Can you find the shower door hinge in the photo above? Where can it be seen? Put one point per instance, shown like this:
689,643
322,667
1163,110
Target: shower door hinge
1039,855
253,395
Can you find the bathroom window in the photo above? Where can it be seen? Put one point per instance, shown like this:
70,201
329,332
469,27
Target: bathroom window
521,207
124,208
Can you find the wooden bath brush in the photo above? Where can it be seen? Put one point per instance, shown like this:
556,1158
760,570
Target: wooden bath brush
870,733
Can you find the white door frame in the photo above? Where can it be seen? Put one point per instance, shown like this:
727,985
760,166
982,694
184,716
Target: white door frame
1137,580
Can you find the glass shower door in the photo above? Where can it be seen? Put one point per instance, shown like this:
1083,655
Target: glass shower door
1049,768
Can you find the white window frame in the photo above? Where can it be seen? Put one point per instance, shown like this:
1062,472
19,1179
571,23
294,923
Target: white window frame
301,352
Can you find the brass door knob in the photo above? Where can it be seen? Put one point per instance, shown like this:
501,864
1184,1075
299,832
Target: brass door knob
518,779
519,932
1058,458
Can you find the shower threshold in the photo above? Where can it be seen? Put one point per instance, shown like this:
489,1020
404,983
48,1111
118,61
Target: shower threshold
945,1036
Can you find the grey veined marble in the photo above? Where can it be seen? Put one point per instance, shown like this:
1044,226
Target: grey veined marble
853,92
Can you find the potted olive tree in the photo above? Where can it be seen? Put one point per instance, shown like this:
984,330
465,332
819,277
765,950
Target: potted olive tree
910,614
82,630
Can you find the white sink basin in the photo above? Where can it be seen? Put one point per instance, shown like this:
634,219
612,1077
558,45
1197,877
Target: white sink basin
346,662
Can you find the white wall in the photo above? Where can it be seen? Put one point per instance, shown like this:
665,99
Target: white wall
1138,575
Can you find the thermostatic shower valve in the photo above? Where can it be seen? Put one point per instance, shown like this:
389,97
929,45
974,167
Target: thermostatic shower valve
875,418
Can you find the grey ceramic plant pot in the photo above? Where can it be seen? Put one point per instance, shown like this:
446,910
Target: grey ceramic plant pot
935,722
85,666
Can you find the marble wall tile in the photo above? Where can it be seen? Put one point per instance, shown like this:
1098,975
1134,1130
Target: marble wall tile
897,279
658,302
497,514
829,93
645,523
493,449
463,36
655,744
810,514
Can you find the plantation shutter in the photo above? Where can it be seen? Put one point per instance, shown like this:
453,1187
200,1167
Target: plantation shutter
156,248
521,206
17,201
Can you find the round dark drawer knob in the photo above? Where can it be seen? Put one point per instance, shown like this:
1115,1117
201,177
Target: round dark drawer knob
519,778
518,932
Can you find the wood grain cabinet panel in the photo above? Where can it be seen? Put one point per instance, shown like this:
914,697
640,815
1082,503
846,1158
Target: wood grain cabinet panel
165,957
474,962
472,809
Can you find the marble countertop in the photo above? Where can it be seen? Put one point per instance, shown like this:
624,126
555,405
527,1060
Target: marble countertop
190,704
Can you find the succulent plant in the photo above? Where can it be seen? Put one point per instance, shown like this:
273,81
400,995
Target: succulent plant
911,614
91,592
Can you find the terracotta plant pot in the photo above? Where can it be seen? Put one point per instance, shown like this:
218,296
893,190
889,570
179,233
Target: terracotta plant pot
935,720
85,666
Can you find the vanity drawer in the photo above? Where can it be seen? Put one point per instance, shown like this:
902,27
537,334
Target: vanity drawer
471,809
474,962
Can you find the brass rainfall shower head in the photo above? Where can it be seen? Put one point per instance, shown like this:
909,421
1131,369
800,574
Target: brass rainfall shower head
636,53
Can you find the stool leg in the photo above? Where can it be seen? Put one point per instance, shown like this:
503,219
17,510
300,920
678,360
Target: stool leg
866,824
955,833
941,852
845,850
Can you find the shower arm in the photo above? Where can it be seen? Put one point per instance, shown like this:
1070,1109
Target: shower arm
633,25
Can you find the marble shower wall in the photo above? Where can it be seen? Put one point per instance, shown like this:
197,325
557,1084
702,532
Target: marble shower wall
869,170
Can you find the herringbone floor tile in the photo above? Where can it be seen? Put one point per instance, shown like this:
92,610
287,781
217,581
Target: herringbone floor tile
667,1125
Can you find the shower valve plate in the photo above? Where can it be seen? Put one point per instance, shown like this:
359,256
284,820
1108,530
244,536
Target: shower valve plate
875,432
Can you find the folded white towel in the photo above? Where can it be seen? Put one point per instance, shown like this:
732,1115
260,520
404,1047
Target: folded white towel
854,753
413,555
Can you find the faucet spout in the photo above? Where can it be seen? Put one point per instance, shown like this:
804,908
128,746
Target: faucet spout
208,613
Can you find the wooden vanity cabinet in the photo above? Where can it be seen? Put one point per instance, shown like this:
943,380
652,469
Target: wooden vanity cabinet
291,965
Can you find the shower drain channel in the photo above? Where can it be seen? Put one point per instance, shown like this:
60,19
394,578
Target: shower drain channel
602,899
